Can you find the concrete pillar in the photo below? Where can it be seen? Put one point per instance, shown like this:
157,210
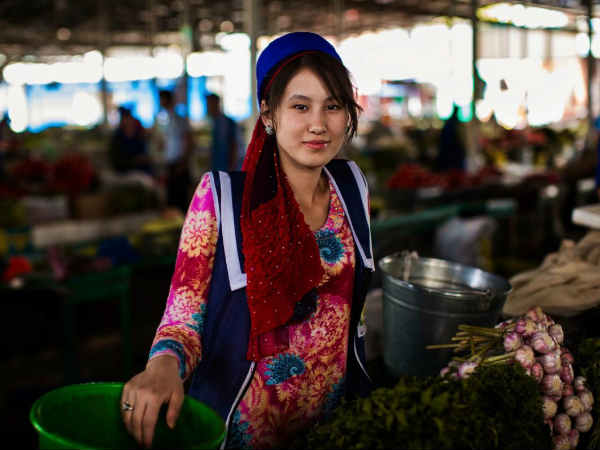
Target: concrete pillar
590,65
251,21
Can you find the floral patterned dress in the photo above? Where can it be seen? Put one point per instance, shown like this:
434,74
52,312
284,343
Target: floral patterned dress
290,390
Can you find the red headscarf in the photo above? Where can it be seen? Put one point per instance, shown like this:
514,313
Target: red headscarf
281,255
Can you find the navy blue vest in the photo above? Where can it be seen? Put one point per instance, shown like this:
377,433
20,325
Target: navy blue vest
224,374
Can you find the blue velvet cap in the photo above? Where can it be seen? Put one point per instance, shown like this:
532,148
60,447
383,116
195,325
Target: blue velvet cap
284,47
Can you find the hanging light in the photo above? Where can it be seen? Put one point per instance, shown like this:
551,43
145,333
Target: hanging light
523,16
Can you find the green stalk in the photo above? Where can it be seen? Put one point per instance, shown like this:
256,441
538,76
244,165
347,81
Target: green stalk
436,346
481,330
482,351
464,338
504,357
458,359
496,363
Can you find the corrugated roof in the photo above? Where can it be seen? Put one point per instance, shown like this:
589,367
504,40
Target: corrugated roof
31,26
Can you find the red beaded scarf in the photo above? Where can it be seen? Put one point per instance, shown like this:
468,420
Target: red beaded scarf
281,256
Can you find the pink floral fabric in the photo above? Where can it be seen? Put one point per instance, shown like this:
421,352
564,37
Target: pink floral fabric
290,390
179,330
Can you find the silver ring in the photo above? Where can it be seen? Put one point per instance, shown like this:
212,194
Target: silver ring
127,406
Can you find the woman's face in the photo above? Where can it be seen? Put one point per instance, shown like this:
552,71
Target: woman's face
310,125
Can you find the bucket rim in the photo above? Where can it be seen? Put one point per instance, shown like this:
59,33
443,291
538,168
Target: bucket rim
36,422
442,263
66,442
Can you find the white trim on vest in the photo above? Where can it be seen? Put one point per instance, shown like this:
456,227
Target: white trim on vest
364,194
225,220
237,400
237,279
360,182
358,359
213,188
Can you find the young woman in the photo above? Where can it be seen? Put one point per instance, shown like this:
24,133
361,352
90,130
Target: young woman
263,316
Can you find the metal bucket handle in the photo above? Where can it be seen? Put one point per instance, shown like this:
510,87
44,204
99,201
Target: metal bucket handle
409,257
486,293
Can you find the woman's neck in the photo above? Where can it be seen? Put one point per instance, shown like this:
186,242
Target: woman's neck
308,185
311,191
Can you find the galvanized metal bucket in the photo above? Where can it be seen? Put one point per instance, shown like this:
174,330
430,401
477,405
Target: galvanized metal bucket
424,301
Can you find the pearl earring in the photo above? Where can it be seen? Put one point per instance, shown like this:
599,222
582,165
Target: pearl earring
269,130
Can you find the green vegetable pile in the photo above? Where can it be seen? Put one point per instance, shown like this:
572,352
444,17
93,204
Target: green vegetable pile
498,407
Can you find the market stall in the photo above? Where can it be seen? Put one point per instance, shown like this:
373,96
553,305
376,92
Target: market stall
71,233
544,336
532,393
473,76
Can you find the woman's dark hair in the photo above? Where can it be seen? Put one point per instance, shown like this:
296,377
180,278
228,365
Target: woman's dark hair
333,73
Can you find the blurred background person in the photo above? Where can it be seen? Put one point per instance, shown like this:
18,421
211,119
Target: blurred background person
452,152
4,133
177,149
128,147
225,137
8,142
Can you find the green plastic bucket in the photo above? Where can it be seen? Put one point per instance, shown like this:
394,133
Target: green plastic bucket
88,416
